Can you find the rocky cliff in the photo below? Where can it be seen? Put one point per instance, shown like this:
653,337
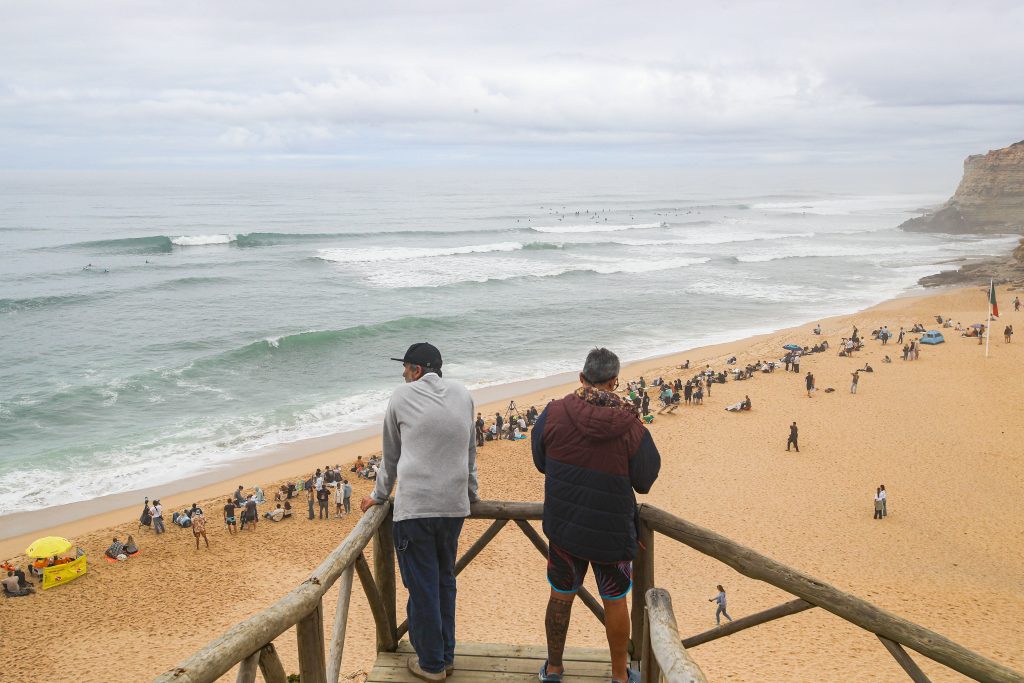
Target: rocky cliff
990,198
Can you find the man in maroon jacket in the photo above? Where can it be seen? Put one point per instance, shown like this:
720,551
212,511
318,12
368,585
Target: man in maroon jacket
594,452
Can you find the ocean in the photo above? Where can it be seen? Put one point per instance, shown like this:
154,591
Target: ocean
156,326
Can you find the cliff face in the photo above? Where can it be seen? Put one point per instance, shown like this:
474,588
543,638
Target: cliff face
990,198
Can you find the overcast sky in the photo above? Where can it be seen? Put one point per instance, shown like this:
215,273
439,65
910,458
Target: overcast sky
143,84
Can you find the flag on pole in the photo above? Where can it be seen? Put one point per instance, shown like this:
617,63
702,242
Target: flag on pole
992,299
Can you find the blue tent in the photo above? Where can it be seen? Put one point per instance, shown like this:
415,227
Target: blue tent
793,347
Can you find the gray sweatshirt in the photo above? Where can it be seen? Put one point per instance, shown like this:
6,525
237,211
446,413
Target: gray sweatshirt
430,448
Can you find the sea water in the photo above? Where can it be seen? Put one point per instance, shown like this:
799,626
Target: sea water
155,326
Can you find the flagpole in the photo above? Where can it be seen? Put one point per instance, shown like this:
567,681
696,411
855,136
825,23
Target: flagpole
988,327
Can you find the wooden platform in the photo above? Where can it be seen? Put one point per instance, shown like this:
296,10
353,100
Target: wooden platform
497,663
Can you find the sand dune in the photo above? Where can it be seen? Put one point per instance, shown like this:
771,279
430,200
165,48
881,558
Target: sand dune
943,434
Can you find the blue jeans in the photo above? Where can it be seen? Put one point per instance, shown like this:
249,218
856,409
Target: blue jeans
426,550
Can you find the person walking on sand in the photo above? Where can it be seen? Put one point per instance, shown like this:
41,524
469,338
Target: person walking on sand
720,599
594,453
199,527
885,499
229,517
900,339
430,448
879,503
853,383
1008,333
310,499
809,383
792,438
1016,303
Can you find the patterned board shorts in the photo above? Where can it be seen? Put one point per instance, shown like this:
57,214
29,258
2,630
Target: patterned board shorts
566,573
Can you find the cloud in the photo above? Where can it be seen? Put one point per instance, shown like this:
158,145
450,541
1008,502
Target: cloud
114,81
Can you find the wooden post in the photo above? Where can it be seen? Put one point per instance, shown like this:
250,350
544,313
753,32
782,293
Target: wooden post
270,665
310,635
247,669
643,581
480,543
904,660
384,575
650,671
783,610
674,662
337,644
385,637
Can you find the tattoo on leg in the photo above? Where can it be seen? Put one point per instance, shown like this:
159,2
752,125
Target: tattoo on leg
556,624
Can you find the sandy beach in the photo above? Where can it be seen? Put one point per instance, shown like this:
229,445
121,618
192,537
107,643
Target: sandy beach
943,434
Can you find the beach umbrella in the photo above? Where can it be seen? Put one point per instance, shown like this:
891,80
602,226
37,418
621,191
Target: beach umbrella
977,326
793,347
48,546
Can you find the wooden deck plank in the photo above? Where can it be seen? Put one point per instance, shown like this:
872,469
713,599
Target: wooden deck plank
390,675
500,664
572,654
497,663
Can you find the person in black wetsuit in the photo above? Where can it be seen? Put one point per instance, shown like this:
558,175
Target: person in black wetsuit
792,438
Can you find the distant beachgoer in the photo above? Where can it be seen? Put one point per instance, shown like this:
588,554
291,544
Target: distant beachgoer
853,384
499,422
720,610
311,499
817,329
157,512
323,499
1016,303
879,504
792,438
809,383
1008,333
900,339
479,426
885,497
250,514
199,528
346,492
145,518
239,497
796,362
229,516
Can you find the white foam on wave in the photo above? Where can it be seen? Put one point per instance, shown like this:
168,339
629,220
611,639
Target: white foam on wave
202,240
438,274
596,227
184,451
377,254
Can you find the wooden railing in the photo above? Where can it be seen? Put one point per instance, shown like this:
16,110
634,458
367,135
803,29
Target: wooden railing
656,641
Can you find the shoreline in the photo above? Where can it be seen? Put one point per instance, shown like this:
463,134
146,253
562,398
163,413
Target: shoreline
290,460
941,432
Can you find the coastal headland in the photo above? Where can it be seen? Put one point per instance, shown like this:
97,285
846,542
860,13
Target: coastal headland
943,434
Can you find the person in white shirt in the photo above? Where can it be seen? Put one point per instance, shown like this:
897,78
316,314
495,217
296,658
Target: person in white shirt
878,503
881,492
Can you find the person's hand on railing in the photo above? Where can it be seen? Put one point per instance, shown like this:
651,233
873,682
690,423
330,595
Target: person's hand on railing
368,503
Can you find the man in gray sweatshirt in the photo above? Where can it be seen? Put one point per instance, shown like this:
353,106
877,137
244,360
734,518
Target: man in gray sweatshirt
429,447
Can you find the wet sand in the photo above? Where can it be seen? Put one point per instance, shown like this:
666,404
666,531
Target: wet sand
942,433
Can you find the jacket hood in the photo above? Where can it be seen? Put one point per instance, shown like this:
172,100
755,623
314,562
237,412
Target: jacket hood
598,422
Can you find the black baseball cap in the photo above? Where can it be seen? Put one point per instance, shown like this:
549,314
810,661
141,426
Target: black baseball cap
423,354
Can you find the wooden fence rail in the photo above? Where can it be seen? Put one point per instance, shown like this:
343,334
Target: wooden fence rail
656,640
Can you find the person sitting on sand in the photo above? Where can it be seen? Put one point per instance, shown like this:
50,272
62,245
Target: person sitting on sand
181,519
275,515
13,588
260,498
115,550
130,546
887,360
287,509
817,329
